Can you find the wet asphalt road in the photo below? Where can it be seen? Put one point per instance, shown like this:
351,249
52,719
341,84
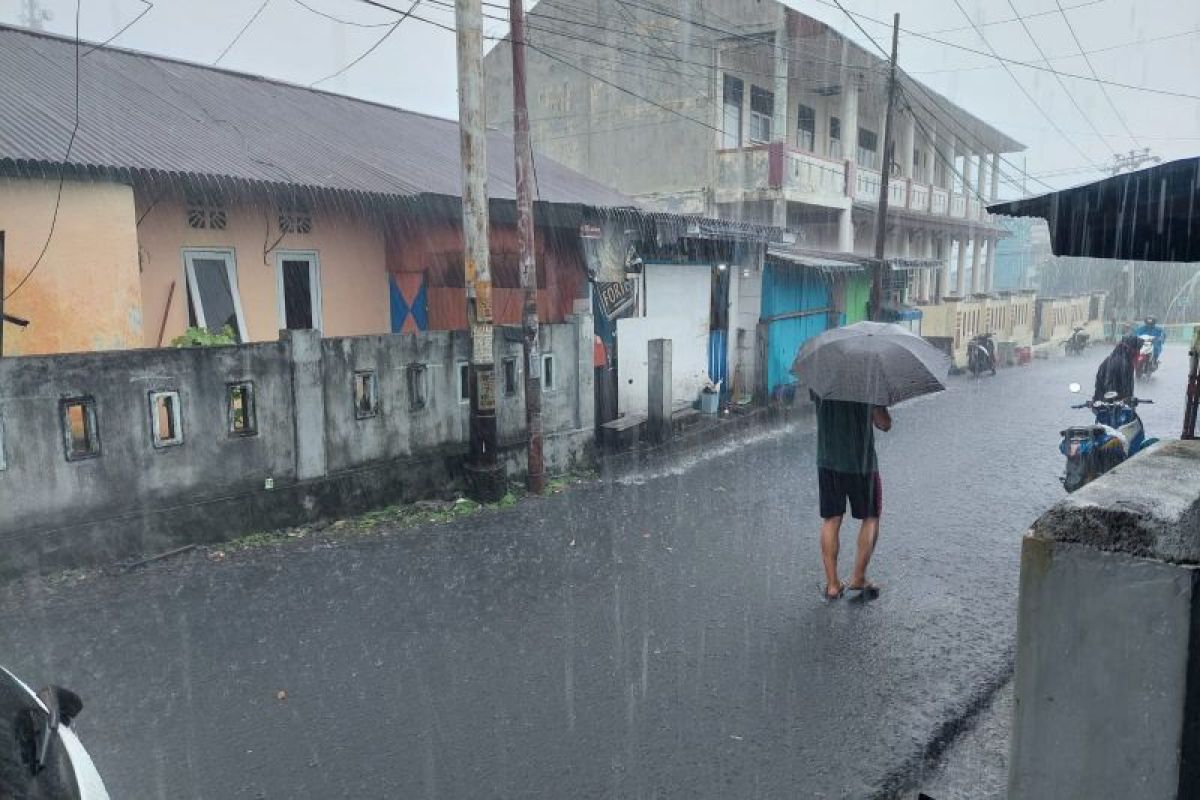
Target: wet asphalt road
656,636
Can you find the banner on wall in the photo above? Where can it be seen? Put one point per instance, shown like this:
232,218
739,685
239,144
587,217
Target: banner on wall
617,299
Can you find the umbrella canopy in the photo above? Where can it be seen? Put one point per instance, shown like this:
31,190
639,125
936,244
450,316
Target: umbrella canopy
871,362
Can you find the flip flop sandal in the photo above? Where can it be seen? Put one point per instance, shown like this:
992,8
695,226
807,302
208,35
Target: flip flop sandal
868,589
829,598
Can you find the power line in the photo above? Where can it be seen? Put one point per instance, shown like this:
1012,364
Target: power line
149,7
340,20
1005,21
240,33
61,166
1064,56
1092,68
1070,95
1021,86
373,47
1013,61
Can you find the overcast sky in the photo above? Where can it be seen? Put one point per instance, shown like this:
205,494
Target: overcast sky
414,67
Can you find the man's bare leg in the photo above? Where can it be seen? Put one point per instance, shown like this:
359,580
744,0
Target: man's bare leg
868,534
830,529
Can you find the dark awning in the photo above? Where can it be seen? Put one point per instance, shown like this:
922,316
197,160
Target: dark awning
1148,215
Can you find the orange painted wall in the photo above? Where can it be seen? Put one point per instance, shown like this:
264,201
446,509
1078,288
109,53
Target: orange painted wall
85,294
350,248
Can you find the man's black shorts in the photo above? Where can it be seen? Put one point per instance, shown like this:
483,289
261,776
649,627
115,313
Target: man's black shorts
865,493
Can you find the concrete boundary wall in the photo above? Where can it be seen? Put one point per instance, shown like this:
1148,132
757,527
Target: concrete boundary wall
1107,686
113,454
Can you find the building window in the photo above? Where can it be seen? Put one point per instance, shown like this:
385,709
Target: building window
298,287
166,428
549,375
868,146
835,137
416,378
366,394
81,433
464,382
214,302
509,365
239,409
731,125
806,128
762,111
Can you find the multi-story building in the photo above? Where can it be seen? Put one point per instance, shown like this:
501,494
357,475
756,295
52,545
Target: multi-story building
750,110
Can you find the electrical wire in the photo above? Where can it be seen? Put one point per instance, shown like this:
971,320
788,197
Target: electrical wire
1070,95
1005,21
61,168
1091,67
340,20
149,7
372,48
240,33
1028,95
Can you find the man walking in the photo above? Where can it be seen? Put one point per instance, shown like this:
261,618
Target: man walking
847,471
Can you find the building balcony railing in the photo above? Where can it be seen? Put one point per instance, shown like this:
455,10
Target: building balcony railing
804,177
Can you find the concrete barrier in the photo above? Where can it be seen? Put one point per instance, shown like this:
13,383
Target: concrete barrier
1107,687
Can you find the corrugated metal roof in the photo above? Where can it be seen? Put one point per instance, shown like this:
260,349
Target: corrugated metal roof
157,115
1147,215
823,262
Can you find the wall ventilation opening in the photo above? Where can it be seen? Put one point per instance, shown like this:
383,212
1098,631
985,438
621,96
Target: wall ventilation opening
81,434
549,378
416,379
366,394
242,419
509,366
165,419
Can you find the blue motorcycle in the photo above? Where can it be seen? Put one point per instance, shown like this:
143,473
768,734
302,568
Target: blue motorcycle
1093,450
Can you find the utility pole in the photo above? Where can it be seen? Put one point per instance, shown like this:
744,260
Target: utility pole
2,317
485,478
881,215
523,153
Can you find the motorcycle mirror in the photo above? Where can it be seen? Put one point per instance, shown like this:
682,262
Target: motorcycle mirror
1075,388
1110,396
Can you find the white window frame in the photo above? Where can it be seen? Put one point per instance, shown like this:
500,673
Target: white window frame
464,390
314,282
227,255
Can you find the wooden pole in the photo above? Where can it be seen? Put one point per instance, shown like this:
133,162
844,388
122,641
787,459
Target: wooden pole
485,477
523,152
162,328
881,216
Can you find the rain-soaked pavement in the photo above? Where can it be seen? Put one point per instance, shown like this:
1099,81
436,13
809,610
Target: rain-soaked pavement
656,636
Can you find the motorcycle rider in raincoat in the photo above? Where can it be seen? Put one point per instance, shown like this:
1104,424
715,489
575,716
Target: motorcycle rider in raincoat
1151,328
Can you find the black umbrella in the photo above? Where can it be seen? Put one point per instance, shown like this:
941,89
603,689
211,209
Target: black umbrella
871,362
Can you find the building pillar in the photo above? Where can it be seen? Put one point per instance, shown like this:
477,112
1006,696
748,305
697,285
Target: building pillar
990,284
779,121
308,398
846,230
948,178
943,253
907,145
931,155
995,176
850,119
976,264
928,273
981,188
965,184
961,275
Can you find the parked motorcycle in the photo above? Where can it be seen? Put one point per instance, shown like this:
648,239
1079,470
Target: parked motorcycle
981,355
1147,362
1093,450
1076,343
40,755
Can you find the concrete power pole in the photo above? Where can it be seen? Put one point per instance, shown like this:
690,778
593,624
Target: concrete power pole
881,216
485,477
523,152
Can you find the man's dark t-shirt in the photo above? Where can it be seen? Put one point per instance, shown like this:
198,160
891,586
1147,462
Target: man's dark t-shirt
846,437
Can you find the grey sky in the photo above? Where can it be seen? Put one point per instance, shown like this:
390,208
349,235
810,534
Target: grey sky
415,67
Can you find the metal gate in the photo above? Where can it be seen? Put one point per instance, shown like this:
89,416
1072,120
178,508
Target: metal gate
795,308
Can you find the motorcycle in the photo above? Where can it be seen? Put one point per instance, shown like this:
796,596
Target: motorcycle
1092,450
1147,362
1076,343
40,755
981,355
